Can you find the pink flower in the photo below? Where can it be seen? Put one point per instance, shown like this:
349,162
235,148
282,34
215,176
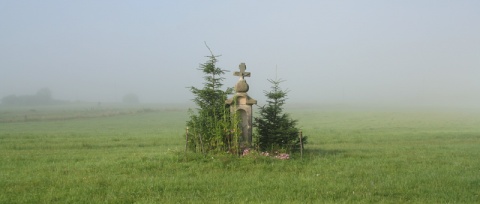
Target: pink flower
246,151
283,156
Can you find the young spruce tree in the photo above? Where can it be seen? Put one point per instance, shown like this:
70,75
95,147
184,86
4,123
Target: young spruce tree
276,131
211,124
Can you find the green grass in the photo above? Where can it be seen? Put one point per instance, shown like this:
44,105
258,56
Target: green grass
359,156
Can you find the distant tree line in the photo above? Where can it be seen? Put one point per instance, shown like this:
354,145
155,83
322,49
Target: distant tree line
42,97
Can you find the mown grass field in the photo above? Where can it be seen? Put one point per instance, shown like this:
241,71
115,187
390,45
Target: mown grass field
62,155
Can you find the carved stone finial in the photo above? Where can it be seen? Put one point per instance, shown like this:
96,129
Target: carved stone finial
242,72
242,86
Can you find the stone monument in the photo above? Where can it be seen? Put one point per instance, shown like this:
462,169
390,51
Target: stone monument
241,104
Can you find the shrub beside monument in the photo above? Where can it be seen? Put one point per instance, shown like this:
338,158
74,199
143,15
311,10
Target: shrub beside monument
275,130
210,128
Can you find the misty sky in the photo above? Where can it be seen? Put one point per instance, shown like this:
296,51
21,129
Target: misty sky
399,52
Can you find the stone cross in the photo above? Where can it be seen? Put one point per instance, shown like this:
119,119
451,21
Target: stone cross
242,72
241,104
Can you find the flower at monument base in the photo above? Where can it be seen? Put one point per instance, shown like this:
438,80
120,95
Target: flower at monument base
246,151
276,154
283,156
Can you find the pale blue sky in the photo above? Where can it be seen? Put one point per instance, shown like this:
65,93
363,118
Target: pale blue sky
406,52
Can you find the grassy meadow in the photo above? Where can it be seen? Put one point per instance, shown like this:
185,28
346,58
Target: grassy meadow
136,155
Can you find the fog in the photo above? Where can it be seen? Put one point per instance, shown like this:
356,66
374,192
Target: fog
424,53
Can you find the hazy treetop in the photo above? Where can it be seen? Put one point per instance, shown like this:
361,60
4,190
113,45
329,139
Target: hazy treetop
328,51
